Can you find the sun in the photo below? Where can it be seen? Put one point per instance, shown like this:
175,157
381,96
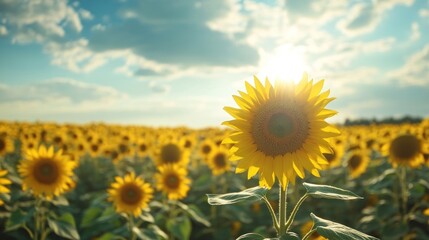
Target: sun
286,63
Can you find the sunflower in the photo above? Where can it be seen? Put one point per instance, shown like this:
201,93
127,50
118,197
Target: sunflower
218,161
144,147
6,145
171,152
405,150
357,162
130,194
3,182
172,180
46,172
280,130
206,147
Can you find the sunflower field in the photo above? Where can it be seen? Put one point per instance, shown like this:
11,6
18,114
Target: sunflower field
101,181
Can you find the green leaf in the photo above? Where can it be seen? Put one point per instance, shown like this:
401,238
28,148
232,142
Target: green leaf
140,234
17,219
159,234
60,201
147,217
63,227
68,218
326,191
251,236
180,227
194,212
336,231
251,194
89,216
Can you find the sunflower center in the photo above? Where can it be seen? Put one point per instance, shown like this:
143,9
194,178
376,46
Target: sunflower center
123,148
405,146
2,145
188,144
206,149
46,172
143,147
94,147
170,153
220,160
355,161
131,194
172,181
280,127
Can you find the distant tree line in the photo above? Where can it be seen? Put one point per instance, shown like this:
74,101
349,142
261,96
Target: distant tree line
388,120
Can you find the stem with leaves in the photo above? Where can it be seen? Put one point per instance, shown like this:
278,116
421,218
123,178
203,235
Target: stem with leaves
131,226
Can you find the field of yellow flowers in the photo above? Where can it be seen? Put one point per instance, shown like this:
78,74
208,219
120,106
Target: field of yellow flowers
100,181
93,161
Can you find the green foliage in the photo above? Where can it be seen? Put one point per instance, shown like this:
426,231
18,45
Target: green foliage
336,231
330,192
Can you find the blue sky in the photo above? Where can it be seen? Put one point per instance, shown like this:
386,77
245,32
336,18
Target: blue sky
169,63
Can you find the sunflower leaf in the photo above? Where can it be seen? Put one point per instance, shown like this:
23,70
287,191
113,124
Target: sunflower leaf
326,191
194,212
64,227
251,194
336,231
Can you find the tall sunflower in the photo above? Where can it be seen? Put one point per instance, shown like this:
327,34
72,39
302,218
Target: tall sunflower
172,180
280,130
406,150
3,183
130,194
46,172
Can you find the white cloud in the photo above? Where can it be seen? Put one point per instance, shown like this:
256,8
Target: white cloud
38,21
415,71
85,14
415,32
98,27
424,13
364,17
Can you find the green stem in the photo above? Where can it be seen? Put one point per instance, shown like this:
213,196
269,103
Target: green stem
28,231
295,210
309,234
282,210
273,214
131,224
402,171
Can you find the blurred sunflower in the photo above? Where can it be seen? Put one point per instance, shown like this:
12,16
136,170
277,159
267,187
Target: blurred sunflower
144,147
218,161
405,150
130,194
357,162
6,145
171,152
172,181
3,182
280,130
306,227
46,172
205,148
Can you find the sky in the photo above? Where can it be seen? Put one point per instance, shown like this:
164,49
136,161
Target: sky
175,63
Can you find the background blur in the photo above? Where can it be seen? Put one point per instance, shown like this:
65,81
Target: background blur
178,62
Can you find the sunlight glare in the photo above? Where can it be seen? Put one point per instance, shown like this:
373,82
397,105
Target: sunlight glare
286,64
